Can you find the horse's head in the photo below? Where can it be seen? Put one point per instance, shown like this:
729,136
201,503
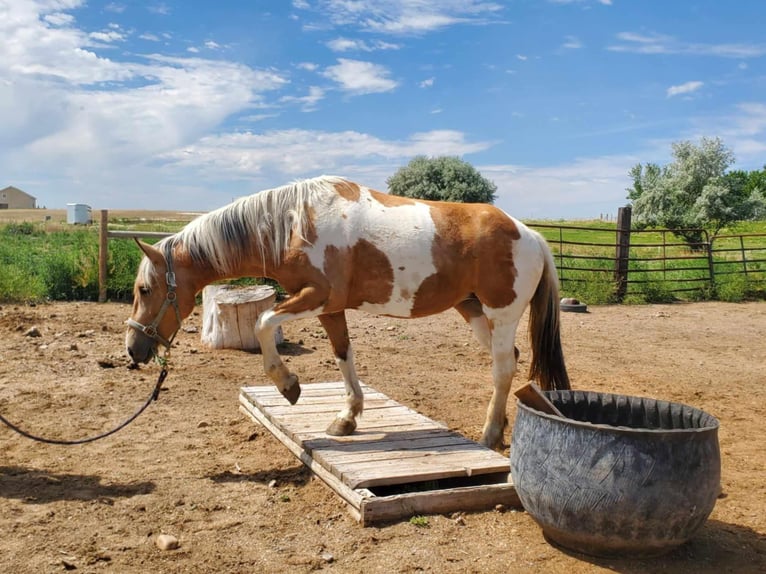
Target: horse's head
161,299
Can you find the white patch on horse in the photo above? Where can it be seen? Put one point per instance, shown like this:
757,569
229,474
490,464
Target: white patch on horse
403,233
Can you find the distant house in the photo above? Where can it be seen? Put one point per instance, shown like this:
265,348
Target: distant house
13,198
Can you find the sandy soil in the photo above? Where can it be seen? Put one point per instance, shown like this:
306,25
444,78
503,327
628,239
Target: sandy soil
194,467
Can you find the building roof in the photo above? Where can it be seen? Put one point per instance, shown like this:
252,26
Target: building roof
16,189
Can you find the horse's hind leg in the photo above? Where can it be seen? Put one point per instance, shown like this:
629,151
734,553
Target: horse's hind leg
337,331
504,356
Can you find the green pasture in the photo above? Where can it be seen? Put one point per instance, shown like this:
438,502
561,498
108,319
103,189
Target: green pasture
61,263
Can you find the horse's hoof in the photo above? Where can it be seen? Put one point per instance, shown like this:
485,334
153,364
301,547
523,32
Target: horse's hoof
341,427
292,393
496,445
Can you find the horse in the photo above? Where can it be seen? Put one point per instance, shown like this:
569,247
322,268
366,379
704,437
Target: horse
333,245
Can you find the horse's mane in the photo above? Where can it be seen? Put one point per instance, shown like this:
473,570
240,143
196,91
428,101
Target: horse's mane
253,225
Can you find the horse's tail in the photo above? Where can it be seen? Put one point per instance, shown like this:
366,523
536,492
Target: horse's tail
547,366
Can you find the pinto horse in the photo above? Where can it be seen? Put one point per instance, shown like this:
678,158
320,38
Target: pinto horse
333,245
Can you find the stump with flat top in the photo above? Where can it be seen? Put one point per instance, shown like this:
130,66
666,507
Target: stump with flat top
229,313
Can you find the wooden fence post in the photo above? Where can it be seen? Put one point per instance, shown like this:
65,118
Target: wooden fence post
623,252
102,255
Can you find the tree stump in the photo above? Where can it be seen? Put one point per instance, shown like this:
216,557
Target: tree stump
229,313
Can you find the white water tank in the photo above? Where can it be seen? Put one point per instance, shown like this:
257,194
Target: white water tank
78,214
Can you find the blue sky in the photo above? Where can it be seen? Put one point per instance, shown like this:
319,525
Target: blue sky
187,105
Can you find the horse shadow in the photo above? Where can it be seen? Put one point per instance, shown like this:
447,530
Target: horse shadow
41,487
717,547
286,348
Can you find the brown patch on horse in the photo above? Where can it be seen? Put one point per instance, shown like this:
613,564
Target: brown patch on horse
473,254
348,190
359,274
388,200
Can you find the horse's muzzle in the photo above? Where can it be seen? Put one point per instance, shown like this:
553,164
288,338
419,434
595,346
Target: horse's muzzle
139,347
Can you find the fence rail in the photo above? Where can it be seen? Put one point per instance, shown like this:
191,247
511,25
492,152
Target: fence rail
633,261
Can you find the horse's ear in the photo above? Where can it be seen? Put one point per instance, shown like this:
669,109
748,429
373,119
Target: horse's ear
154,254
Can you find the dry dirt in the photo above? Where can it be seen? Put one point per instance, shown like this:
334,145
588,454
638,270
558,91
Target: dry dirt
194,467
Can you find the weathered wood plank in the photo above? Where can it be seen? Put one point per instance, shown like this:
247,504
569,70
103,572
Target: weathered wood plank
393,447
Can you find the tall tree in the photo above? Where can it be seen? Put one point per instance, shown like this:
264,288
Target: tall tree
443,178
694,192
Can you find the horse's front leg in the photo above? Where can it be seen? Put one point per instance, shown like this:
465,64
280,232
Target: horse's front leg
306,303
337,331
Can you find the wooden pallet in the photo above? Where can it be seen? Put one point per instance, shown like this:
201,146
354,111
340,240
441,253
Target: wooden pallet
397,464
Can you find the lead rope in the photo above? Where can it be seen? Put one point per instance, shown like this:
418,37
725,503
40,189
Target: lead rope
163,361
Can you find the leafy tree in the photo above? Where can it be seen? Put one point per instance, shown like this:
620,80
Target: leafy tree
442,178
695,191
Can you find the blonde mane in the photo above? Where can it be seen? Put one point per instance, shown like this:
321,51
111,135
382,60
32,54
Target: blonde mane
253,225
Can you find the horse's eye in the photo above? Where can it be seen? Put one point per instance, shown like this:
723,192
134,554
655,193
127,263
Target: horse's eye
144,290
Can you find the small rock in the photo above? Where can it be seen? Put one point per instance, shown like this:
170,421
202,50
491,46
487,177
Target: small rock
167,542
73,347
460,521
203,424
500,508
273,484
33,332
327,557
190,329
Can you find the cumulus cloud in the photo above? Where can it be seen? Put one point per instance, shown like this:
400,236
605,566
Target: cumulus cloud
297,151
358,77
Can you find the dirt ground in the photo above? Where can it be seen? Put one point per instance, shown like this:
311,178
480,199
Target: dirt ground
196,468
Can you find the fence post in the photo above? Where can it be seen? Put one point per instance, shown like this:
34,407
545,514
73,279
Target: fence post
623,252
102,255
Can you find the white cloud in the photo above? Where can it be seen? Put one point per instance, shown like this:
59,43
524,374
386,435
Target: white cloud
107,36
686,88
661,44
356,45
588,185
571,43
309,66
521,57
115,7
160,8
403,16
602,2
358,77
303,152
308,102
427,83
